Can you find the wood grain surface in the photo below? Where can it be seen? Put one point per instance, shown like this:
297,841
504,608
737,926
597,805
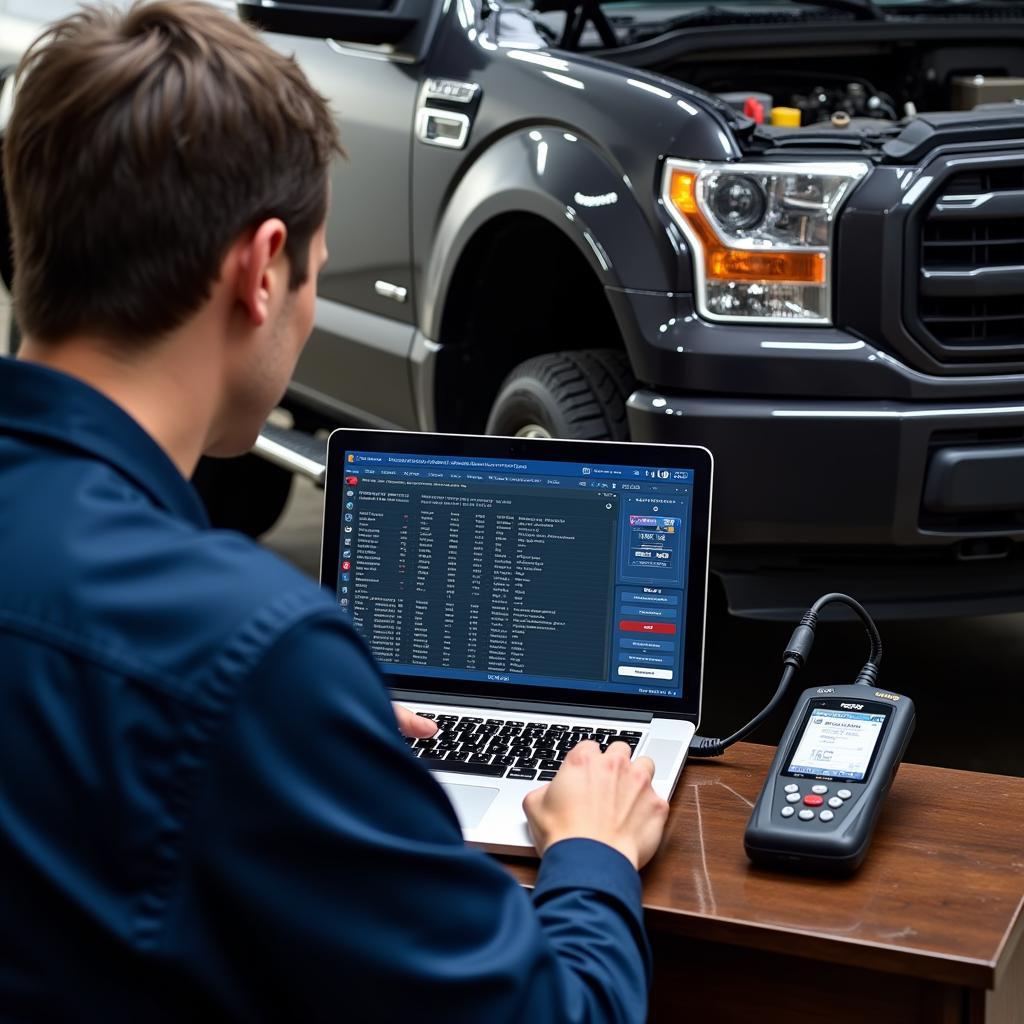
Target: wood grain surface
940,896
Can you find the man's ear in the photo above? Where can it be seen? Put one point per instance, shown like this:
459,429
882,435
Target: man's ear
261,269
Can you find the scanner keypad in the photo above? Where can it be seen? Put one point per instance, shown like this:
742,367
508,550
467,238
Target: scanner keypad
812,797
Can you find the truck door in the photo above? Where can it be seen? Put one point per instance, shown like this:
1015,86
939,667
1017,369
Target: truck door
355,365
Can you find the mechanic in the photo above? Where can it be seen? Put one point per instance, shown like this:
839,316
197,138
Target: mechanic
206,808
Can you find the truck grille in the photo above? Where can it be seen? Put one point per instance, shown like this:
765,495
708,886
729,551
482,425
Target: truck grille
971,284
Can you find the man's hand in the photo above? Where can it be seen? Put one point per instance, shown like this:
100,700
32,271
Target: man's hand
599,796
411,724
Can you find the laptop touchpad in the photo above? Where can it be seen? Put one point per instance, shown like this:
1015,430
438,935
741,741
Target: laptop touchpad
663,753
470,802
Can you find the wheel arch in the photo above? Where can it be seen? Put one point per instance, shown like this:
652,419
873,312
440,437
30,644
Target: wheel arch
567,181
521,290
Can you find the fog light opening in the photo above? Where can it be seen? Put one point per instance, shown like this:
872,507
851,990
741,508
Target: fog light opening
981,548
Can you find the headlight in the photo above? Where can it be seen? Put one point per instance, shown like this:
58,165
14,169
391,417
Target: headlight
761,235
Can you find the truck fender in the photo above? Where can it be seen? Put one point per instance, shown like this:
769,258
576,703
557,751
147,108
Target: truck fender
566,180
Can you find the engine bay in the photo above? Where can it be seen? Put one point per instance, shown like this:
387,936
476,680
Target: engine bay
844,83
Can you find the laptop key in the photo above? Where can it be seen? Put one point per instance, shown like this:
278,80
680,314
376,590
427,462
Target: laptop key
546,776
550,764
521,773
459,755
464,767
479,759
526,762
505,759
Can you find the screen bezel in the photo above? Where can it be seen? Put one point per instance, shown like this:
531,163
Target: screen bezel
596,452
836,704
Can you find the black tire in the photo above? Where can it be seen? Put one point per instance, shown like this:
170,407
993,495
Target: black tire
578,395
247,494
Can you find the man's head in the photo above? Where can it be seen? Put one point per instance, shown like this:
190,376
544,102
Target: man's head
151,151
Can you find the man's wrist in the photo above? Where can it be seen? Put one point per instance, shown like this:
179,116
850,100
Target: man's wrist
618,843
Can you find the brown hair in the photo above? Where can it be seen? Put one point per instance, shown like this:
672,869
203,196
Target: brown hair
141,145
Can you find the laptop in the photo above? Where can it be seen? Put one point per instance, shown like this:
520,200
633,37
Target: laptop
526,594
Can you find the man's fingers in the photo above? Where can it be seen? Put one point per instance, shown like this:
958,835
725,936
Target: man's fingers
533,796
619,749
411,724
584,749
648,766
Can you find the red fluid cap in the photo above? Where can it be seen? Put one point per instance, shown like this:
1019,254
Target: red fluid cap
754,109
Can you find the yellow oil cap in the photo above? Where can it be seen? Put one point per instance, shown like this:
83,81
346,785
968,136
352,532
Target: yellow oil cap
785,117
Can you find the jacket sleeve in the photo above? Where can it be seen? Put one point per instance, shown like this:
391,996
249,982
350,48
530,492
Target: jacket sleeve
327,878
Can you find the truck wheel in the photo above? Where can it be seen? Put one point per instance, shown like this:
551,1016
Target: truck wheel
247,494
579,395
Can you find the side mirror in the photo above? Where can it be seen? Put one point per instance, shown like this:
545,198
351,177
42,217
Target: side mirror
355,21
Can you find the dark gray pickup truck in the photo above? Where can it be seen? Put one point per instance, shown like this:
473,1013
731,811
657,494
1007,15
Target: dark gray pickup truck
790,231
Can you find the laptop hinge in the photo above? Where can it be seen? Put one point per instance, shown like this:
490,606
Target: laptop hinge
535,707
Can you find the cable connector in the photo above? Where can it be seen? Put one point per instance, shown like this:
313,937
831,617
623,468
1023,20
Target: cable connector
868,675
796,654
798,649
706,746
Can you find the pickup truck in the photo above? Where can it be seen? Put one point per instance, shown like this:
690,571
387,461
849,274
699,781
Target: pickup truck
789,230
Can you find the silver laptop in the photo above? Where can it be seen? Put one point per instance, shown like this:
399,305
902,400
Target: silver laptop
526,594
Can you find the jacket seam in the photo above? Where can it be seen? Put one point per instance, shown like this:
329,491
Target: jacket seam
150,922
76,643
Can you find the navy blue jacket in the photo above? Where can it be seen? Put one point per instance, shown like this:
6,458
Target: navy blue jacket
205,806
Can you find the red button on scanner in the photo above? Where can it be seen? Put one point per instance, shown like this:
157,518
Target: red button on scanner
812,800
629,626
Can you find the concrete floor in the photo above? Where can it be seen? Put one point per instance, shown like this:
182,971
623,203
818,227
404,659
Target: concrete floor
965,675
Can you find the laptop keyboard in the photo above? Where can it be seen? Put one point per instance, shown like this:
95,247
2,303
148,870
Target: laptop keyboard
499,748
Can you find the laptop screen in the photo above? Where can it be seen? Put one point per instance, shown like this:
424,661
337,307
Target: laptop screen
543,574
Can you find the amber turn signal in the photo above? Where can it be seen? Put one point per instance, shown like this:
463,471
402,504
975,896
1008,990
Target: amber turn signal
723,263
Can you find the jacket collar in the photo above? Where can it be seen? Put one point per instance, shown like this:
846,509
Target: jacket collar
58,408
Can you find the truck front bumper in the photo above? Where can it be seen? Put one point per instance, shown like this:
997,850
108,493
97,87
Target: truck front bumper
916,510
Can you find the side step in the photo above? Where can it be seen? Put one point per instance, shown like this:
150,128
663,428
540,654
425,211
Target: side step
293,450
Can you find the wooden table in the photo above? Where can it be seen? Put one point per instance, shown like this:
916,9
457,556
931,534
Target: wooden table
928,930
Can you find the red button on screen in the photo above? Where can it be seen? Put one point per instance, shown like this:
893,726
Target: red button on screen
629,626
813,800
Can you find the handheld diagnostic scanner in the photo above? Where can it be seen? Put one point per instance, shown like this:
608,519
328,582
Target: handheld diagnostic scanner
828,781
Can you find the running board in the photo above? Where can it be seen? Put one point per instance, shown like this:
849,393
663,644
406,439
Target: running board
293,450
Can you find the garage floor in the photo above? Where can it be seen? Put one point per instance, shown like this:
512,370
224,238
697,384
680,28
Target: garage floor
965,675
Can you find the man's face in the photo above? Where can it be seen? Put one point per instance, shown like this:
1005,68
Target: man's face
260,381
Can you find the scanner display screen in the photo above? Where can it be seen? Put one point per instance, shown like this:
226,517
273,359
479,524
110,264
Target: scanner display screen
837,744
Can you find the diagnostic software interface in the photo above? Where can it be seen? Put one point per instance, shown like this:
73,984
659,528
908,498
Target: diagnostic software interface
533,572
